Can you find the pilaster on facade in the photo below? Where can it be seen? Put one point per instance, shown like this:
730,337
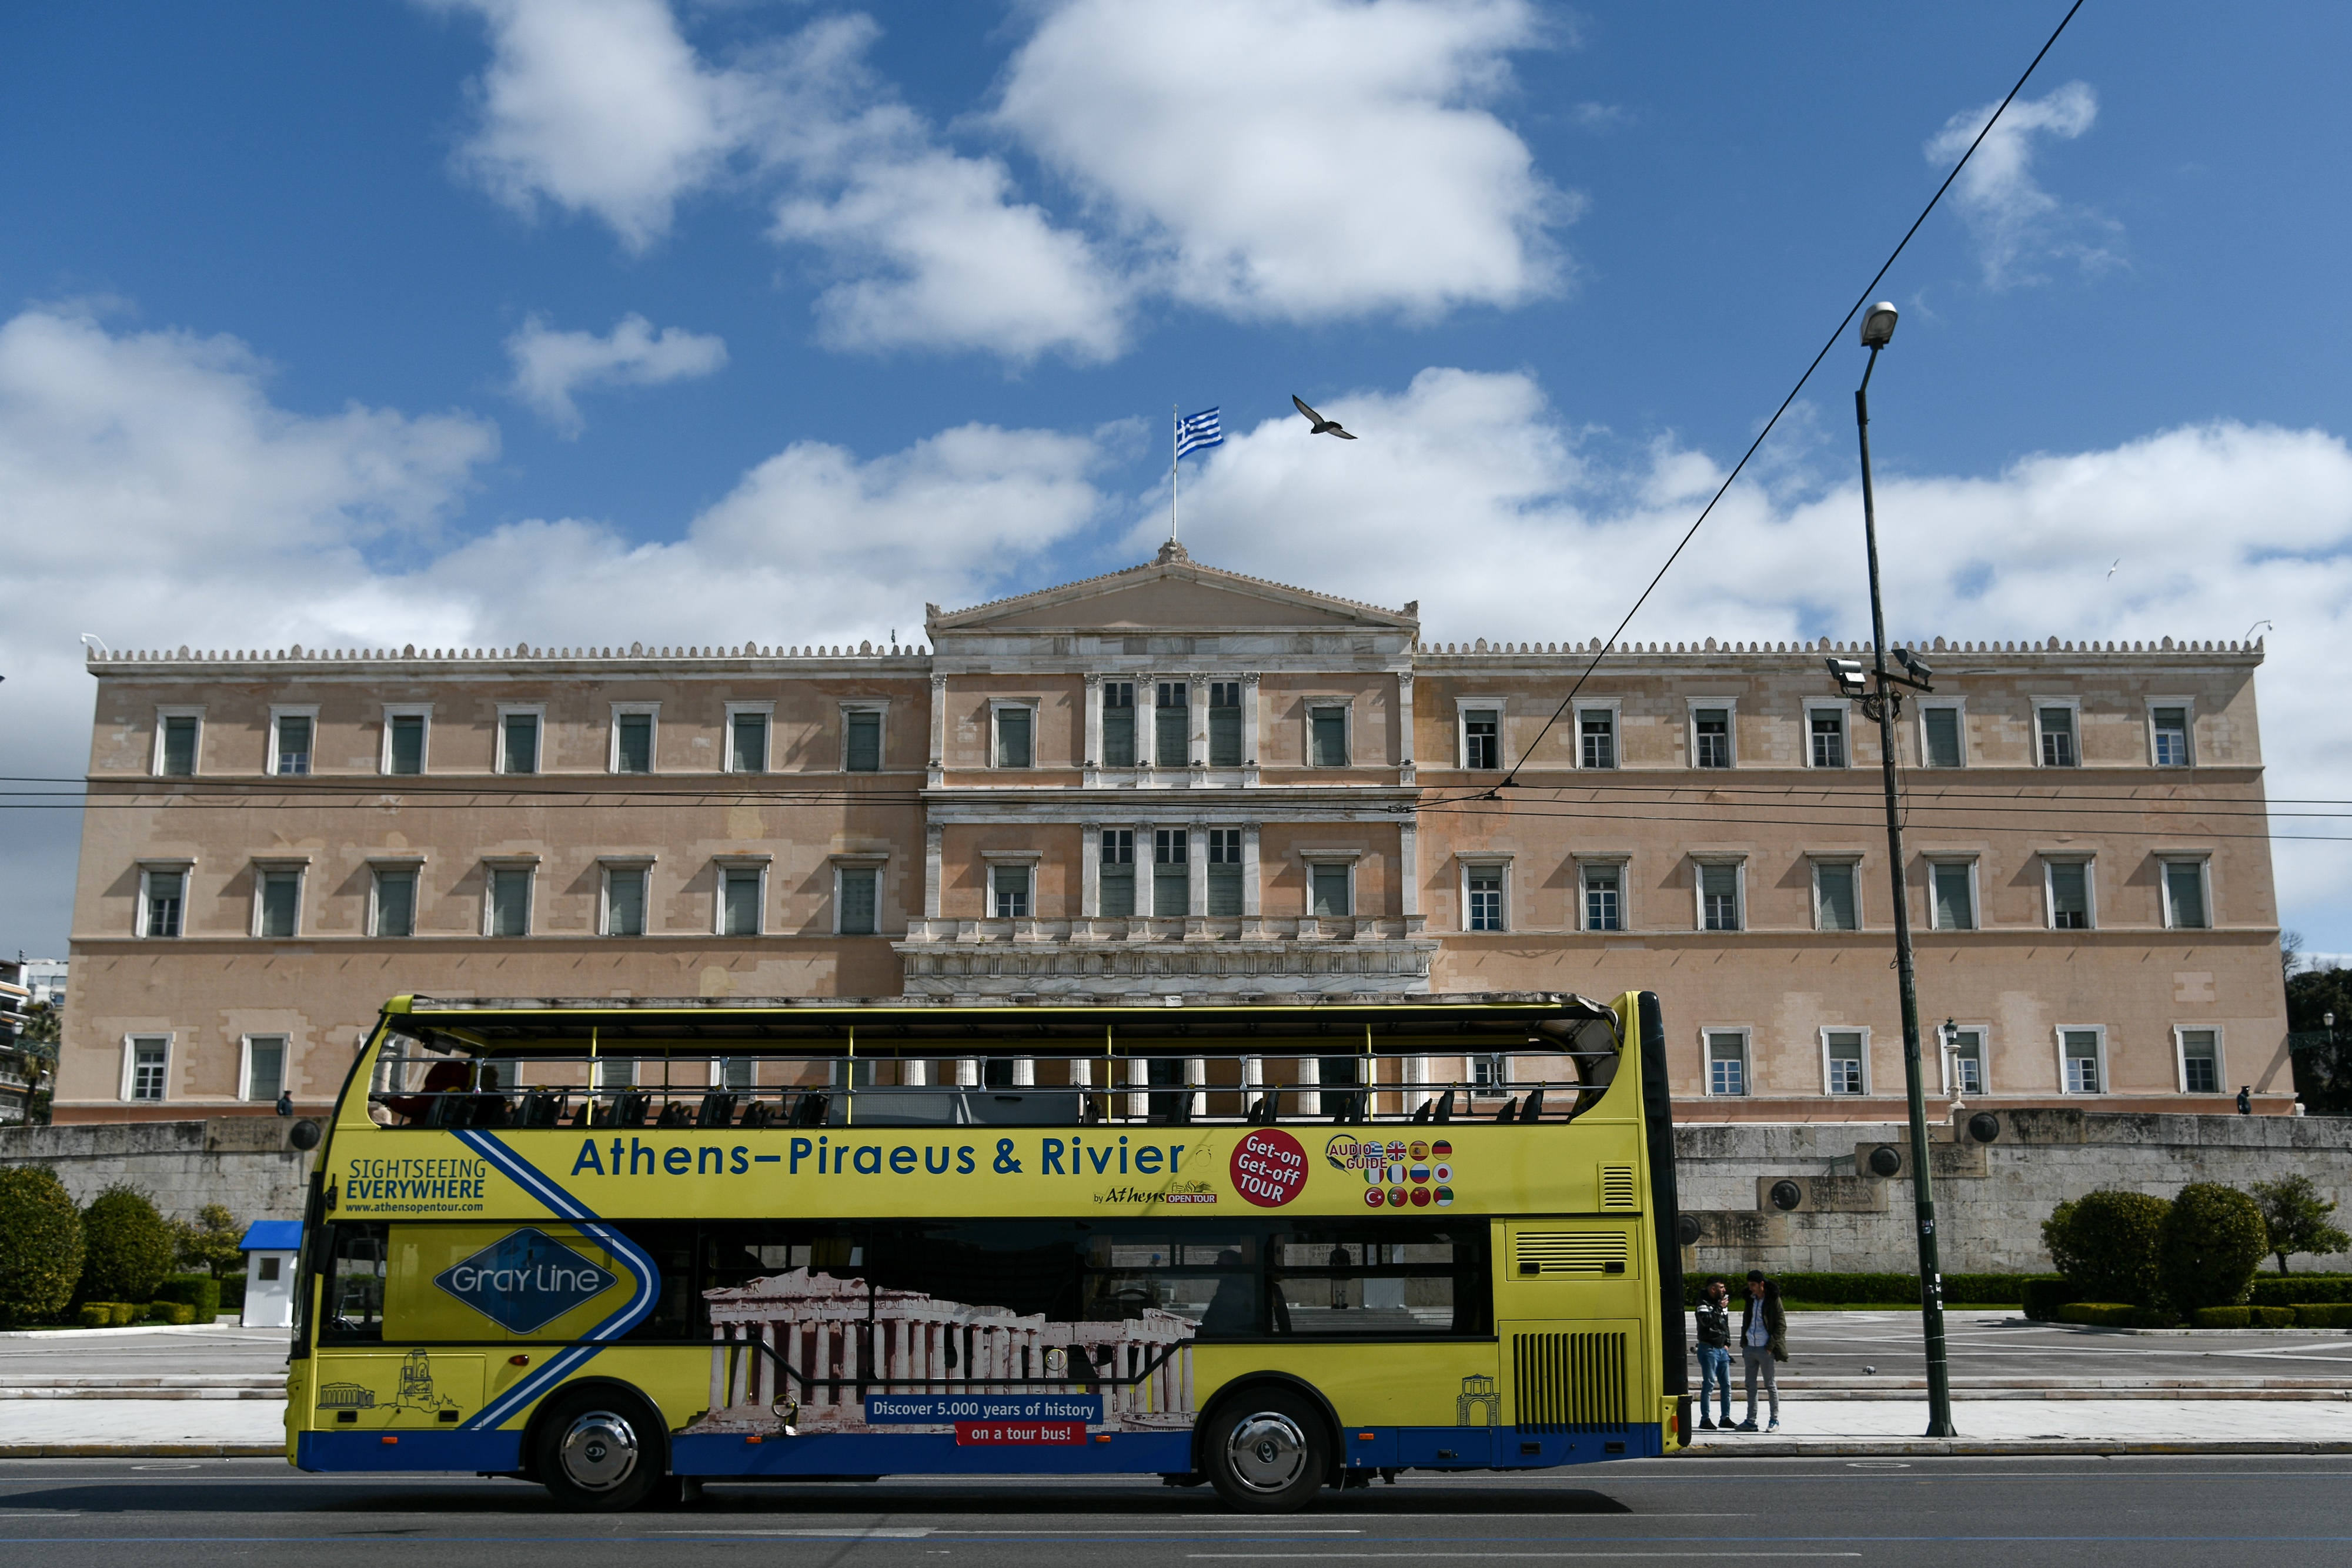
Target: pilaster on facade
936,774
934,867
1090,775
1250,730
1409,868
1406,772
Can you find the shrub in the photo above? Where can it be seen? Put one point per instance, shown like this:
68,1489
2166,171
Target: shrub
2272,1317
2101,1315
200,1292
2106,1243
125,1314
1989,1290
2296,1218
40,1246
2209,1246
2324,1315
210,1244
170,1313
2270,1291
127,1247
232,1291
2221,1317
2045,1296
97,1314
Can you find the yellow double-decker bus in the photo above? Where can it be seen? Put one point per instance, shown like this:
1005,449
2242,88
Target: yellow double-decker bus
619,1246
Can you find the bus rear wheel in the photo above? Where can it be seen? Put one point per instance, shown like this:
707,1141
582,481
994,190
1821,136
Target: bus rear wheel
599,1450
1265,1451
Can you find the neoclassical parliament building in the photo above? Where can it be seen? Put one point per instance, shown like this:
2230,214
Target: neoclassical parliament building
1181,782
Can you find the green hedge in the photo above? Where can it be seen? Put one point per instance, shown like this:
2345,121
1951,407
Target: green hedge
2324,1315
200,1292
2294,1289
232,1289
97,1314
169,1313
2112,1315
2044,1294
1874,1290
1991,1290
2222,1318
2272,1317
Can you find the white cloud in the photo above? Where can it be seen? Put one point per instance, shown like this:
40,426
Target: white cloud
2017,223
550,366
1298,159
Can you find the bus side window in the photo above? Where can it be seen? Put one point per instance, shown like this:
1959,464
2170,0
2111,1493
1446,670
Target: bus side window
678,1312
1387,1278
354,1287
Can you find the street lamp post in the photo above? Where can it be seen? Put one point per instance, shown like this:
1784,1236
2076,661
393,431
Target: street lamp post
1883,703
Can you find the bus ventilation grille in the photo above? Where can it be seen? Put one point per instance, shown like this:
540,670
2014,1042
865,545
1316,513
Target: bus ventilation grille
1617,1187
1568,1382
1540,1253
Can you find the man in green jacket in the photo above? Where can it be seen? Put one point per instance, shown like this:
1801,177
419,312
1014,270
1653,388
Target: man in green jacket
1763,1345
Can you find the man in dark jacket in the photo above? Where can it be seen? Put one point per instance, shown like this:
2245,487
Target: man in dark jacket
1715,1351
1763,1345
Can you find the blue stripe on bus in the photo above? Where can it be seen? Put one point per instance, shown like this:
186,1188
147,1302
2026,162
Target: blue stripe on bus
496,1452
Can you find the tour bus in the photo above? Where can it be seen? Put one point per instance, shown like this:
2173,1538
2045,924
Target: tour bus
621,1247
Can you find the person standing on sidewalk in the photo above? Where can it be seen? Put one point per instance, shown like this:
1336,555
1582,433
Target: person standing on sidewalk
1715,1351
1763,1345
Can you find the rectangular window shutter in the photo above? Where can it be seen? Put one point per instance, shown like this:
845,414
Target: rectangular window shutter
1225,737
1170,895
1011,884
1012,736
509,901
1327,739
2184,886
1119,724
179,747
1171,726
293,744
265,1075
865,742
1224,890
750,749
743,903
624,902
2200,1062
1836,883
395,904
2069,897
857,901
1719,896
407,743
1330,887
522,742
1943,724
1955,909
634,744
1118,891
280,895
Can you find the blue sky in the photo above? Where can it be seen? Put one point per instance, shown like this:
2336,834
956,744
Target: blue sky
480,320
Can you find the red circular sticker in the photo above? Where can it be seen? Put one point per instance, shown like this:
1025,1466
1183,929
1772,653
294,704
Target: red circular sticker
1269,1169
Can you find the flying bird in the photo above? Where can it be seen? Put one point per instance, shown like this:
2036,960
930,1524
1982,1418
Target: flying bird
1322,426
2111,570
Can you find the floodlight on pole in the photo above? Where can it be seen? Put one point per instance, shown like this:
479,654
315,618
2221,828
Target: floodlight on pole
1878,325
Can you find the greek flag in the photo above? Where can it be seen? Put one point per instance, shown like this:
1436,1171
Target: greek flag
1196,431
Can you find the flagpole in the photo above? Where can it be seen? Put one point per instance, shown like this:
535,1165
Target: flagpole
1175,421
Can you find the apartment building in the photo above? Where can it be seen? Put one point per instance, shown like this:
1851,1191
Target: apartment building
1181,782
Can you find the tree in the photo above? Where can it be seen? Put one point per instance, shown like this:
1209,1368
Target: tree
40,1245
2209,1246
210,1243
2296,1216
2104,1243
127,1247
2323,1065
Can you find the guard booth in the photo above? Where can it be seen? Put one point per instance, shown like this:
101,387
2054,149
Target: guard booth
270,1248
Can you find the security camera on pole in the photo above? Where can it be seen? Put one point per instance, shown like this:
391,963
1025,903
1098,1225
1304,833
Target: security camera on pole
1881,695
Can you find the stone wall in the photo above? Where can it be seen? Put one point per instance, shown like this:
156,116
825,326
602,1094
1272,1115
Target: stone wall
244,1163
1991,1196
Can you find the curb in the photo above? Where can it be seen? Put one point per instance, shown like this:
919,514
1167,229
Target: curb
143,1451
1961,1447
99,1334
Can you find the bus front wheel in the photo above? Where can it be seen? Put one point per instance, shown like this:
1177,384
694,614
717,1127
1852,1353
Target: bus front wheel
599,1450
1265,1451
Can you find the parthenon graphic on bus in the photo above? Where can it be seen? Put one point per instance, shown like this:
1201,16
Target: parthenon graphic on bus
845,1340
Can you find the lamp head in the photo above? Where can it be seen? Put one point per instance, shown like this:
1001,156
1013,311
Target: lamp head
1878,325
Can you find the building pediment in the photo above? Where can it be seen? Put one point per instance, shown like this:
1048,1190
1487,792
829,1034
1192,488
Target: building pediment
1172,592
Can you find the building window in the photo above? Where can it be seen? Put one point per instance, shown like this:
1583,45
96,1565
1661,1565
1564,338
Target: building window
741,900
861,740
1483,897
264,1067
1953,884
146,1065
1327,736
1847,1060
2082,1050
160,896
857,901
1726,1061
739,1073
519,741
1719,896
1225,725
1119,724
1224,870
2184,895
1170,868
1171,724
1016,726
509,914
290,735
1118,873
1481,738
175,745
1604,898
2200,1060
1008,888
1827,729
2056,725
396,902
404,743
1596,729
1835,907
1329,890
1940,727
1711,737
1968,1066
633,741
2069,895
278,902
2170,734
747,740
624,900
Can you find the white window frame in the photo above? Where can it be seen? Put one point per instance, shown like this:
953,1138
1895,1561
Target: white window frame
876,863
289,710
651,712
2180,1058
1622,864
1747,1062
1485,860
424,742
1033,708
1615,708
1347,706
245,1066
377,866
881,708
1850,859
2166,860
300,865
1310,860
1982,1030
606,866
766,710
2187,706
1844,711
1738,865
2090,864
196,757
2058,1037
1463,708
1028,861
1825,1031
130,1065
1959,707
1730,706
185,869
1936,859
2033,726
720,866
1185,683
538,711
491,865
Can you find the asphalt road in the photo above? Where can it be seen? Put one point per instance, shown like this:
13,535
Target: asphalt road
2153,1512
